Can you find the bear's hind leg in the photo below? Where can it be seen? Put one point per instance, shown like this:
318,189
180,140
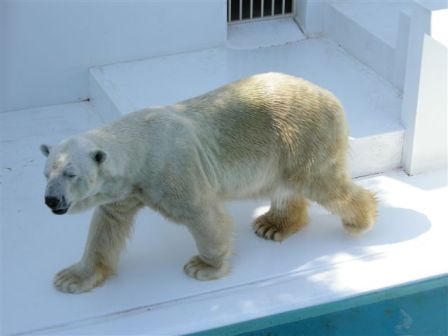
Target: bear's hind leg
286,216
212,231
110,226
356,206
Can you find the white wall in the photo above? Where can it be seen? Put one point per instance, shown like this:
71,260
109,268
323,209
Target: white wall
47,46
425,106
310,15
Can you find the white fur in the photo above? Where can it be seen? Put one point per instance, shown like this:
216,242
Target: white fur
268,135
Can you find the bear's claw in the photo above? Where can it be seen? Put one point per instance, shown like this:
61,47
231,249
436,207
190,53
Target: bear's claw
267,230
198,269
76,279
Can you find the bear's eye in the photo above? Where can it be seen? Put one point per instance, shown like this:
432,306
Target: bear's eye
69,175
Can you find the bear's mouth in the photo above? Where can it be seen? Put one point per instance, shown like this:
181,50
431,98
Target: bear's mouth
60,211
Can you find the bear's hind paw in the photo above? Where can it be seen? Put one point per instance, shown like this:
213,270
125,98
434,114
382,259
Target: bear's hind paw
265,228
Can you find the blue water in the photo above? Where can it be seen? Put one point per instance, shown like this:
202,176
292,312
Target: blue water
419,309
424,313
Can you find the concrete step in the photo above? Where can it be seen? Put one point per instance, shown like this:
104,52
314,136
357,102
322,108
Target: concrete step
372,104
381,19
374,32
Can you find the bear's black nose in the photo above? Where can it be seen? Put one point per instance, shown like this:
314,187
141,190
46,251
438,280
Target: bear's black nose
52,202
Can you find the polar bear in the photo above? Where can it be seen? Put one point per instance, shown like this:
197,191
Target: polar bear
269,135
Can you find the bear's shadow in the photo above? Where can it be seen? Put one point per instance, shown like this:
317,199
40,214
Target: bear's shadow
254,258
153,264
324,239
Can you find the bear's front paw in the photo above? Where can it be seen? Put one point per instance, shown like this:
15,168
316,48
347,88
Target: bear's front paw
79,279
200,270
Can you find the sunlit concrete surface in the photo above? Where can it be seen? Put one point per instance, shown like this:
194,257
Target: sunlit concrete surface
151,294
372,105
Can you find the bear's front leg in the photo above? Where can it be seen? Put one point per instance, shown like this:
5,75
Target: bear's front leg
110,226
212,231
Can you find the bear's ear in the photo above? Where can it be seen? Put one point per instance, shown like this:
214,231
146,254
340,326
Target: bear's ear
45,149
98,156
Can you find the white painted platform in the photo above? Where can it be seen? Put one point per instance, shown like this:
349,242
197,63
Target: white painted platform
372,105
151,295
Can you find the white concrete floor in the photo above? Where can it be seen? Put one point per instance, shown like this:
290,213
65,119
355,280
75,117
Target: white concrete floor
151,294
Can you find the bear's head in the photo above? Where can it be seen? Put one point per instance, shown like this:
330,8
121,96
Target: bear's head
72,171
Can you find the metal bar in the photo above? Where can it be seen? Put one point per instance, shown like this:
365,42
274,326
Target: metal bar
251,9
264,14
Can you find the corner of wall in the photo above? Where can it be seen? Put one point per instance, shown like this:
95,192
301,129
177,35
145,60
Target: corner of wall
310,16
424,110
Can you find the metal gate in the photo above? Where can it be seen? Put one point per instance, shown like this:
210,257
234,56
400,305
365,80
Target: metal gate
244,10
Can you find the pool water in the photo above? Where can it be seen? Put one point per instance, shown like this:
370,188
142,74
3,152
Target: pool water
415,309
